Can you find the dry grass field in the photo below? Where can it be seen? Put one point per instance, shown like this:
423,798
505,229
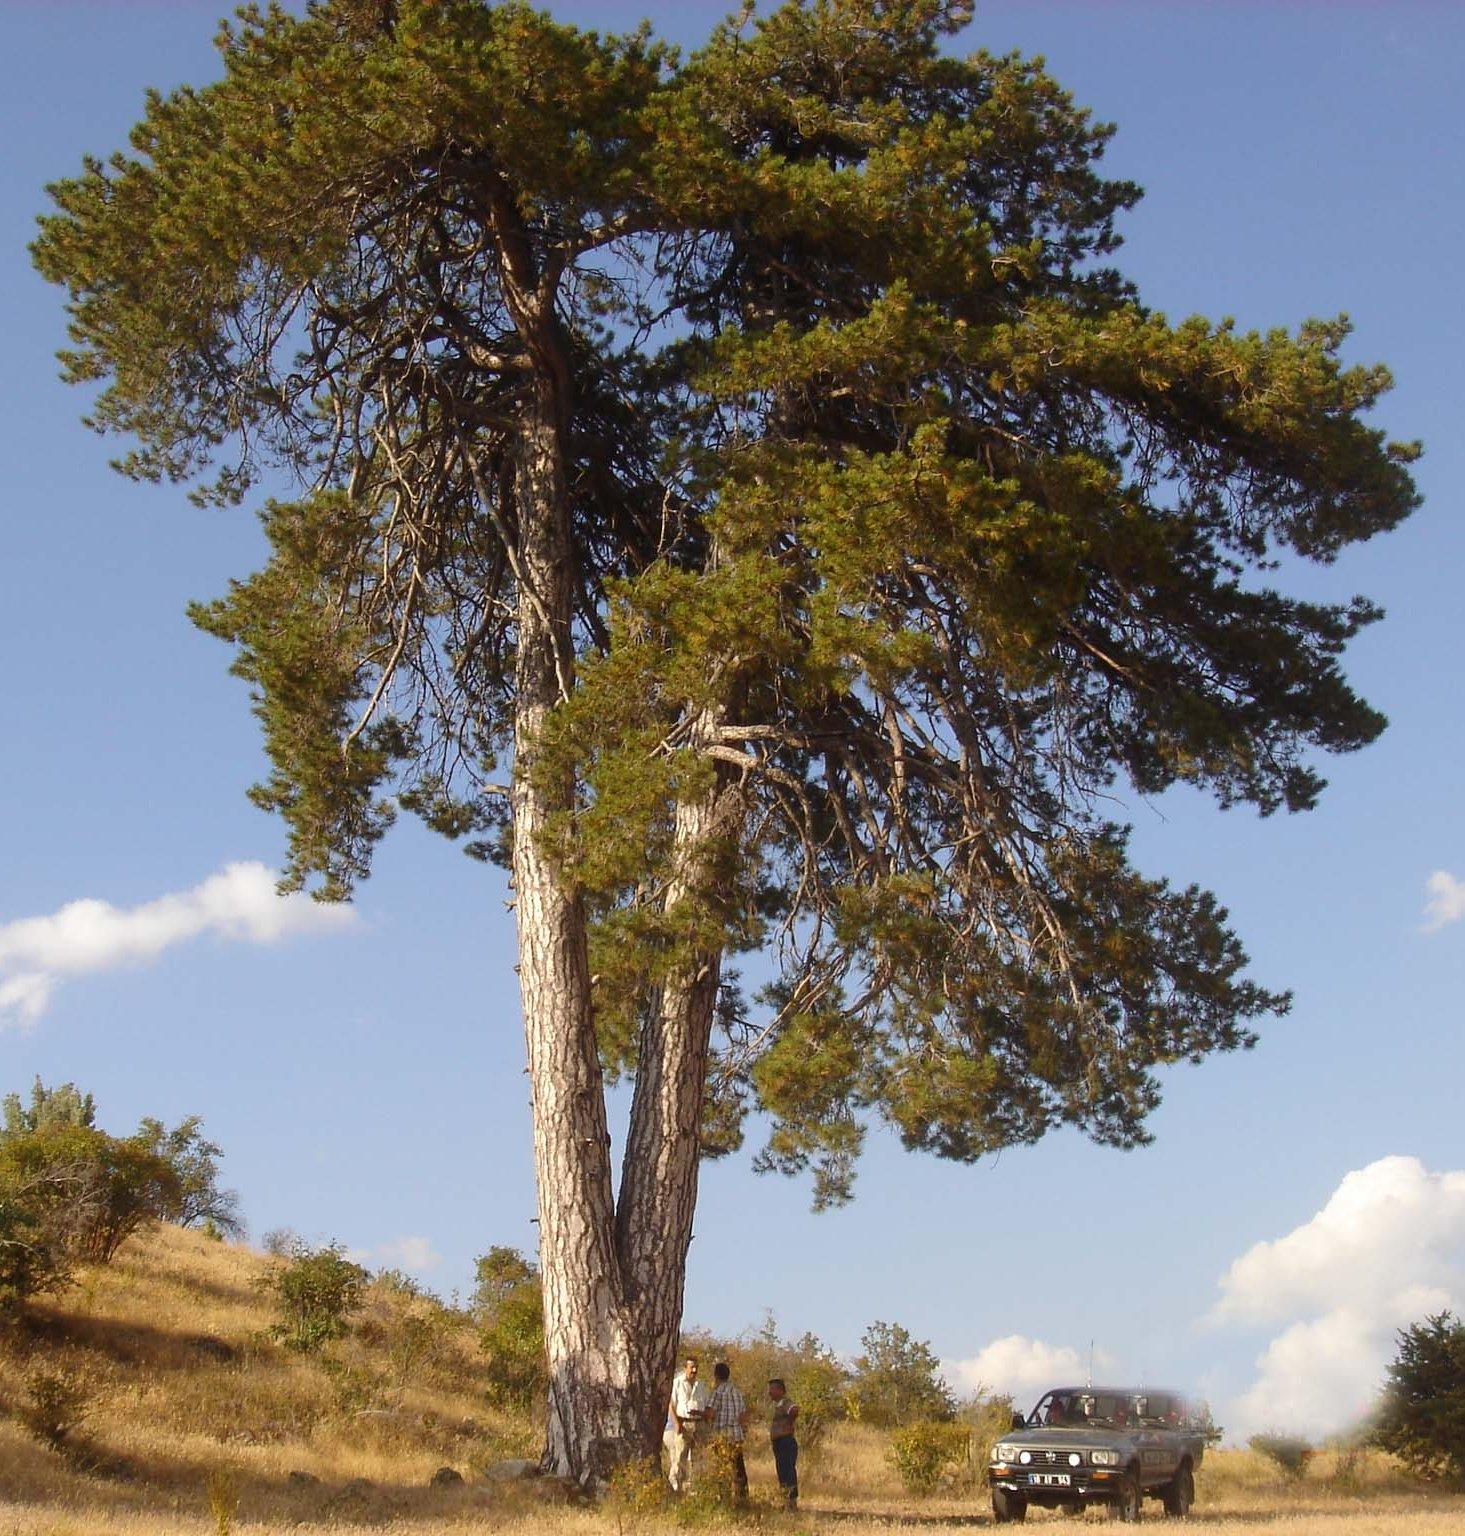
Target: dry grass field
197,1423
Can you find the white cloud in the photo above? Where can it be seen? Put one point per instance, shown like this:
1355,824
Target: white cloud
239,903
1445,901
414,1254
1023,1367
1387,1249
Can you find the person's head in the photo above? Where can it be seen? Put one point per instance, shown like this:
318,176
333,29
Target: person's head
721,1371
776,1388
689,1368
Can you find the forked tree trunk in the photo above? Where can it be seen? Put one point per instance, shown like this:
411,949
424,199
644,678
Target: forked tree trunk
613,1281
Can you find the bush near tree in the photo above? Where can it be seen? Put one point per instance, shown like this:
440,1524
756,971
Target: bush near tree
509,1305
1421,1418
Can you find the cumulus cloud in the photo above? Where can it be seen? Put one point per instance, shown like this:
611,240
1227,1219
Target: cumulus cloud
414,1254
1444,900
1023,1367
1387,1249
239,903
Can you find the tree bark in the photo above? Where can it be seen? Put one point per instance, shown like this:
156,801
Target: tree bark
613,1278
658,1195
585,1333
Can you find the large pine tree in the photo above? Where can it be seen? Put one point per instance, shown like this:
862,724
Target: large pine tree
738,493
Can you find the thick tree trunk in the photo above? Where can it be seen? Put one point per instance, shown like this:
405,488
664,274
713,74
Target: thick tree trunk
585,1333
658,1196
613,1281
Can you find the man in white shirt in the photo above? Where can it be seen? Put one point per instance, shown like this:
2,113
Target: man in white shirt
688,1409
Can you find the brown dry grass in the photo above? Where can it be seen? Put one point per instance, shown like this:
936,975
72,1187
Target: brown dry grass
373,1420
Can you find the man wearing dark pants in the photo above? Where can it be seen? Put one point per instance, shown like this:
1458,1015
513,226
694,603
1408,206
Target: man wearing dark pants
785,1445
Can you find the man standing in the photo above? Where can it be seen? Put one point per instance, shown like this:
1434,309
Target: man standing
688,1409
728,1412
785,1445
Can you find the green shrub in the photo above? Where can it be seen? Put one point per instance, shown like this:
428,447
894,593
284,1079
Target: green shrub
316,1291
897,1379
1421,1418
32,1256
509,1304
1289,1452
54,1406
91,1191
927,1453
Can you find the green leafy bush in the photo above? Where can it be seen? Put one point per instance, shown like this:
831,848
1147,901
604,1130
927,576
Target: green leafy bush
32,1256
1421,1418
897,1380
509,1304
316,1291
95,1190
1289,1452
925,1454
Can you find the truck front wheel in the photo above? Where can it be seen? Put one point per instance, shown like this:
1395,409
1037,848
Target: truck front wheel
1008,1507
1129,1505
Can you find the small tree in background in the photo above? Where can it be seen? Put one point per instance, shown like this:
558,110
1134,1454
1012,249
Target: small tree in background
65,1105
199,1201
316,1290
509,1303
898,1379
91,1191
1422,1416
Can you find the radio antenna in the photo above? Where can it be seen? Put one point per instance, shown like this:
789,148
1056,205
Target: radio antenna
1091,1363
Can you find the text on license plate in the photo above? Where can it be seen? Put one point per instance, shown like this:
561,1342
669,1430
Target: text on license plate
1051,1479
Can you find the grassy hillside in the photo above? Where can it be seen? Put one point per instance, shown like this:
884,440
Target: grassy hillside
192,1410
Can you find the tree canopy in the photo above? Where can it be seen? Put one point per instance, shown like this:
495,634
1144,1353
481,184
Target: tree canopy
741,491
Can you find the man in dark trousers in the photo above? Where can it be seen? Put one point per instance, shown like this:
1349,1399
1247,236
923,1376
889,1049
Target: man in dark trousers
785,1445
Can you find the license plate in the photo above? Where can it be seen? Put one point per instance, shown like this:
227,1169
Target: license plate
1051,1479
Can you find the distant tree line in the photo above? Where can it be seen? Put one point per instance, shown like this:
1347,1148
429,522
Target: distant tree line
72,1194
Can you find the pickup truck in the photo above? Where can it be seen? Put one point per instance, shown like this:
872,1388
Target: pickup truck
1099,1445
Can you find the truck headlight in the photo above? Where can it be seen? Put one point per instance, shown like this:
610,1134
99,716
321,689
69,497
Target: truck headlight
1024,1457
1004,1453
1104,1458
1074,1459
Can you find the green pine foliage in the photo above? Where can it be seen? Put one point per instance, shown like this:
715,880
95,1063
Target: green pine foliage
903,529
1421,1417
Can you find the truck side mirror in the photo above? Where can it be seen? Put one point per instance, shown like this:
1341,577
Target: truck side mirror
1018,1421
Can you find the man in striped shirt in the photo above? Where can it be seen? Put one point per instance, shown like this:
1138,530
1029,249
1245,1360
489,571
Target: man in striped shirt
727,1414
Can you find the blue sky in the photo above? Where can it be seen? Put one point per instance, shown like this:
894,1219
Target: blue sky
365,1079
